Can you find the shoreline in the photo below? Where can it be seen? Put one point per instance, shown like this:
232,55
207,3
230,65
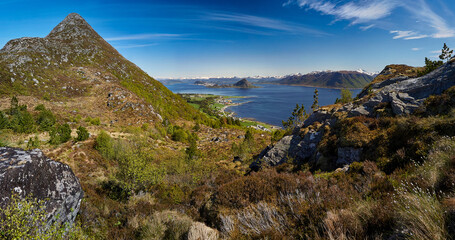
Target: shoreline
253,120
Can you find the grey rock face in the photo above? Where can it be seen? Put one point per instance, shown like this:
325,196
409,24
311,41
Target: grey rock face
31,173
295,147
348,155
406,94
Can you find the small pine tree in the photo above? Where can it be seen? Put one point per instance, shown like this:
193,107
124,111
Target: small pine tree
315,105
4,121
22,122
60,134
191,151
297,117
446,54
82,134
249,136
45,120
346,96
14,109
430,66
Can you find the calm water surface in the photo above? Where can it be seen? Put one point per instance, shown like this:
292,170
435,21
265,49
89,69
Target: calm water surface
269,104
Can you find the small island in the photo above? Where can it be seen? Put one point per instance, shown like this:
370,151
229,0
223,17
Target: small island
244,83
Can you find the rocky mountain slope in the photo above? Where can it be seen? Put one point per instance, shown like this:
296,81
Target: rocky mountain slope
329,79
74,61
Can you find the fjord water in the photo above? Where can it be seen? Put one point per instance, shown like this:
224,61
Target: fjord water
269,104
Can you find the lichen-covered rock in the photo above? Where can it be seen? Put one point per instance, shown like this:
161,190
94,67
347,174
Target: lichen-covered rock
32,174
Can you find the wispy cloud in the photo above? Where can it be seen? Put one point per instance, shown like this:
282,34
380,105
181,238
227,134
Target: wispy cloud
416,49
408,35
257,22
424,13
364,28
146,36
355,11
402,34
371,11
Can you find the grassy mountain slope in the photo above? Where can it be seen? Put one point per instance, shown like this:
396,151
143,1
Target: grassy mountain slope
340,79
73,61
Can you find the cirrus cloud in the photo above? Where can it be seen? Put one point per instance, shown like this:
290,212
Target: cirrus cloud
372,11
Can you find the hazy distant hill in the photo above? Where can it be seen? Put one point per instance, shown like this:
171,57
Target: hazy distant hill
329,79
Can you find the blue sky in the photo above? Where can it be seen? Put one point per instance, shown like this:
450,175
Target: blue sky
207,38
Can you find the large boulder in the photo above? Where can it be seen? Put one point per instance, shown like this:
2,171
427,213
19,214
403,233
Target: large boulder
32,174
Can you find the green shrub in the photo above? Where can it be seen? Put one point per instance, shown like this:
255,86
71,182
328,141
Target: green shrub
137,171
103,144
22,122
277,135
4,121
93,121
430,66
178,133
346,96
191,151
45,119
27,219
40,107
14,108
60,134
82,134
33,143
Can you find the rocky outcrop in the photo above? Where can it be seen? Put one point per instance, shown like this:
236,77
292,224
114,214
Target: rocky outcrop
298,148
406,94
31,173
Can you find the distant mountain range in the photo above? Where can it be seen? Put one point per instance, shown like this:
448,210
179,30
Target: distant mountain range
327,79
244,83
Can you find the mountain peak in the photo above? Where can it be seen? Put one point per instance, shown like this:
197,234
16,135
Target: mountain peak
73,26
